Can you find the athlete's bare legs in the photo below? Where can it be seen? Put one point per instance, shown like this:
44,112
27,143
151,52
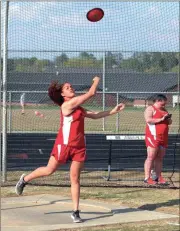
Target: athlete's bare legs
75,171
43,171
159,161
151,155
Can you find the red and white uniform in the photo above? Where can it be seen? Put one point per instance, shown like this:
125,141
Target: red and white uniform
157,134
70,141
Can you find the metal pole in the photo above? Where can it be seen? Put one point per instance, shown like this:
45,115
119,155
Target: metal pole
10,112
178,80
4,87
117,115
0,89
104,70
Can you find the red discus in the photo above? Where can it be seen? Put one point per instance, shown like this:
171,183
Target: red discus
95,15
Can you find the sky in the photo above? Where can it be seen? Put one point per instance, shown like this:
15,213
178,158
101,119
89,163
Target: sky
62,26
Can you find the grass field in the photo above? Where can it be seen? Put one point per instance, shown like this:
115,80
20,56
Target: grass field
97,178
131,120
154,199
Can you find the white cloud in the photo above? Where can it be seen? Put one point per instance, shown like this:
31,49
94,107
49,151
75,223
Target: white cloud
21,12
29,11
163,37
150,12
128,25
154,10
76,20
175,23
49,13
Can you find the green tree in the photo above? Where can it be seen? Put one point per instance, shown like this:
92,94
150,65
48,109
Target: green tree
30,64
175,69
154,69
22,65
110,60
168,61
131,63
21,68
118,58
32,61
76,62
86,55
84,59
39,65
60,60
11,66
154,62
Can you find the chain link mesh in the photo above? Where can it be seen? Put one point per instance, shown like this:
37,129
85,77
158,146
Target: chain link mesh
135,51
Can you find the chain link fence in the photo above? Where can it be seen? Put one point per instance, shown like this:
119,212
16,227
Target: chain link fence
43,44
42,116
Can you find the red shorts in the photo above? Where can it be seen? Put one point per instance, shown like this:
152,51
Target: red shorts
151,142
63,153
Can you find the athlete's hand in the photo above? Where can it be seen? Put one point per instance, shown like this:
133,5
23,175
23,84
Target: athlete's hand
165,117
96,79
118,108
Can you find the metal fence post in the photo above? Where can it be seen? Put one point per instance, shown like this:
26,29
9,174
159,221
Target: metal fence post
104,69
117,115
10,112
4,87
0,87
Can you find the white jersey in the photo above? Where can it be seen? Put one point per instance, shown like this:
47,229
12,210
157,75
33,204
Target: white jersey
22,98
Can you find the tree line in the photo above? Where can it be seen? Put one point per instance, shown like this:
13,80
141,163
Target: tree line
150,62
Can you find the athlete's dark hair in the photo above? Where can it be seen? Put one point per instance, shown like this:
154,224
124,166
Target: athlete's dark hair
159,97
54,92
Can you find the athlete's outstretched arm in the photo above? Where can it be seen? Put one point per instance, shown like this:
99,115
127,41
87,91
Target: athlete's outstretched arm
69,106
102,114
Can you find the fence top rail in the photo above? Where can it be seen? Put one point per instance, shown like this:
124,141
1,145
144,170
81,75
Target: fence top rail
78,1
108,92
88,50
